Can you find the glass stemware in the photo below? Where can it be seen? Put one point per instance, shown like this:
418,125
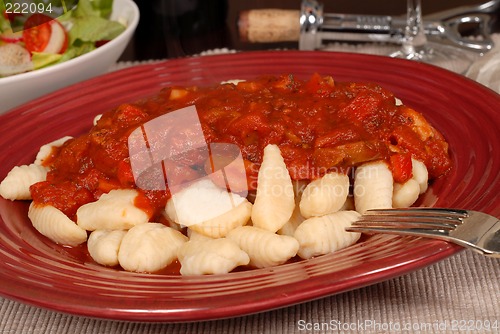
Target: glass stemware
417,47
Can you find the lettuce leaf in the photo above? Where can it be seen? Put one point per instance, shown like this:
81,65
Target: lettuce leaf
90,23
100,8
76,50
93,29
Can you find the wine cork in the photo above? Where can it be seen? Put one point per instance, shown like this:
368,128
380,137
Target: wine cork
269,25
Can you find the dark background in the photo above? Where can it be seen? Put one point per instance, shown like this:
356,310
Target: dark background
177,28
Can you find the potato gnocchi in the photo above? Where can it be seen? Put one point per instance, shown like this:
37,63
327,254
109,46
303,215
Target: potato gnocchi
46,150
265,248
112,211
210,256
149,247
55,225
103,246
220,226
16,185
326,234
373,187
296,219
324,195
208,209
275,201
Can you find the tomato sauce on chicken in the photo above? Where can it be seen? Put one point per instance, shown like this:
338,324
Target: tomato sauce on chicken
319,124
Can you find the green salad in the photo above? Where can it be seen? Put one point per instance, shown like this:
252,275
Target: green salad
44,41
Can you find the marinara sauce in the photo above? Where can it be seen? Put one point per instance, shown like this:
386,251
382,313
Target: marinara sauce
319,125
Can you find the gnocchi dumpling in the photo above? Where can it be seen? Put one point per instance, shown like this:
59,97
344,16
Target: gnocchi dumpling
46,150
405,194
373,186
265,248
17,183
103,246
210,256
420,174
149,247
296,219
275,200
195,236
220,226
291,225
208,209
55,225
112,211
324,195
326,234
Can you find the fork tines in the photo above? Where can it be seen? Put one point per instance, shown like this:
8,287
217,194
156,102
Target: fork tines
412,218
471,229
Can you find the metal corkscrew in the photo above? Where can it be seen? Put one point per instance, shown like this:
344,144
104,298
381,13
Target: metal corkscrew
314,29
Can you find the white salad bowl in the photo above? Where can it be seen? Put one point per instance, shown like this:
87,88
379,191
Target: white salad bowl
18,89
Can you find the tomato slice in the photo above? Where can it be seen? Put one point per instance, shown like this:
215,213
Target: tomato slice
58,39
37,32
44,34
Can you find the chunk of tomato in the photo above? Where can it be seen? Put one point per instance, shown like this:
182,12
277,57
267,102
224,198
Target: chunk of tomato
401,167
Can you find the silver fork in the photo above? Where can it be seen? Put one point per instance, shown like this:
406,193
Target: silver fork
471,229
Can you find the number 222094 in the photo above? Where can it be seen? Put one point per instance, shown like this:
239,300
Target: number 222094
27,8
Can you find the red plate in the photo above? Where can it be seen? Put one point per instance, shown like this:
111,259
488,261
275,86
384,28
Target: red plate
35,271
